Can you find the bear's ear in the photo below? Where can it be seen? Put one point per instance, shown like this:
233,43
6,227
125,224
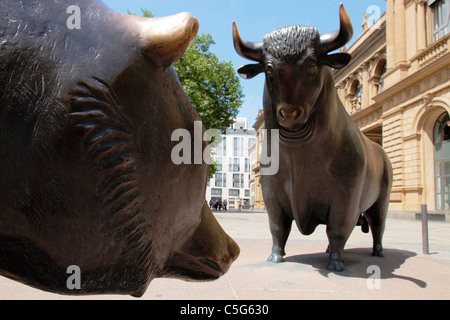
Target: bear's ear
251,70
337,61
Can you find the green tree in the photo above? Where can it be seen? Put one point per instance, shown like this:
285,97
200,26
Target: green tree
211,85
145,13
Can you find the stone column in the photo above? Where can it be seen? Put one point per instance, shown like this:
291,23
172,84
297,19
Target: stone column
390,33
365,101
421,25
400,32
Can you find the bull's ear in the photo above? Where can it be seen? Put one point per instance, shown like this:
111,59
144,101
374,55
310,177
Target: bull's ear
337,61
251,70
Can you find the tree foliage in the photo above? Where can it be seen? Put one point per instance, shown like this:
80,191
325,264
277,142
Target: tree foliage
211,85
145,13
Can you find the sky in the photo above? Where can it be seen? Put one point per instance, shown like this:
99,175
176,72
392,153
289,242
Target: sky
254,19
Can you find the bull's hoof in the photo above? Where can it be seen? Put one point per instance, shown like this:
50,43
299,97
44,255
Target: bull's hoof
377,251
335,263
275,258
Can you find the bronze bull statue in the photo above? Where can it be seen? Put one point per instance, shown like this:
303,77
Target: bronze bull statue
329,172
86,177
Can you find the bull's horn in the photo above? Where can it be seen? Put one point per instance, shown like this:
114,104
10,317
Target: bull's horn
337,39
166,39
248,50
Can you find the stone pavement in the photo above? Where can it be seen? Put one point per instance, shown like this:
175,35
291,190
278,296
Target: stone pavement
405,273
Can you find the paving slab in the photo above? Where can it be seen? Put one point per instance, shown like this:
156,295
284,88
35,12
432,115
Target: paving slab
405,273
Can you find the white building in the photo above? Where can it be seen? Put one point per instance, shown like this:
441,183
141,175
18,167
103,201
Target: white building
232,180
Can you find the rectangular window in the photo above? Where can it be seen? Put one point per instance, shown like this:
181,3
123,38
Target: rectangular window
247,165
238,147
235,147
234,193
236,181
224,143
440,12
221,148
216,192
219,165
218,150
236,165
219,180
442,184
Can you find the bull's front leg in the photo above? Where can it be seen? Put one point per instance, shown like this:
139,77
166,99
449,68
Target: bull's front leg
280,228
339,228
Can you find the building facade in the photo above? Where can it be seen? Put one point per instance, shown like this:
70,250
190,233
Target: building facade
232,180
397,90
257,201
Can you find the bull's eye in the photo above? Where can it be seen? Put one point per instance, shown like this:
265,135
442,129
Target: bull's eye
270,70
311,69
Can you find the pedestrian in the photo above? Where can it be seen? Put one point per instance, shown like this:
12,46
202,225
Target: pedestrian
225,204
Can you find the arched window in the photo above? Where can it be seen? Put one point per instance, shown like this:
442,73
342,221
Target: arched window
381,70
441,136
354,96
355,90
358,93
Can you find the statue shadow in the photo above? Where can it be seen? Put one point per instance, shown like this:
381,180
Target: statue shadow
358,260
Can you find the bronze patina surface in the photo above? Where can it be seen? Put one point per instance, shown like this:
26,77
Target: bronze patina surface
86,176
329,172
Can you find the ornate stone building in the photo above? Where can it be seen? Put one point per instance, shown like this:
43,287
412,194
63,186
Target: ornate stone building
256,198
397,90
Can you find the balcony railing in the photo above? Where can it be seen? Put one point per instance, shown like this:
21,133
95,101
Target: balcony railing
433,52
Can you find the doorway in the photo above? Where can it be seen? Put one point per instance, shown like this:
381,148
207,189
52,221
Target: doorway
441,136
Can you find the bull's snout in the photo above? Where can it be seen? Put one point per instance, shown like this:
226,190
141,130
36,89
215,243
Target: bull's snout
207,255
290,116
165,39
